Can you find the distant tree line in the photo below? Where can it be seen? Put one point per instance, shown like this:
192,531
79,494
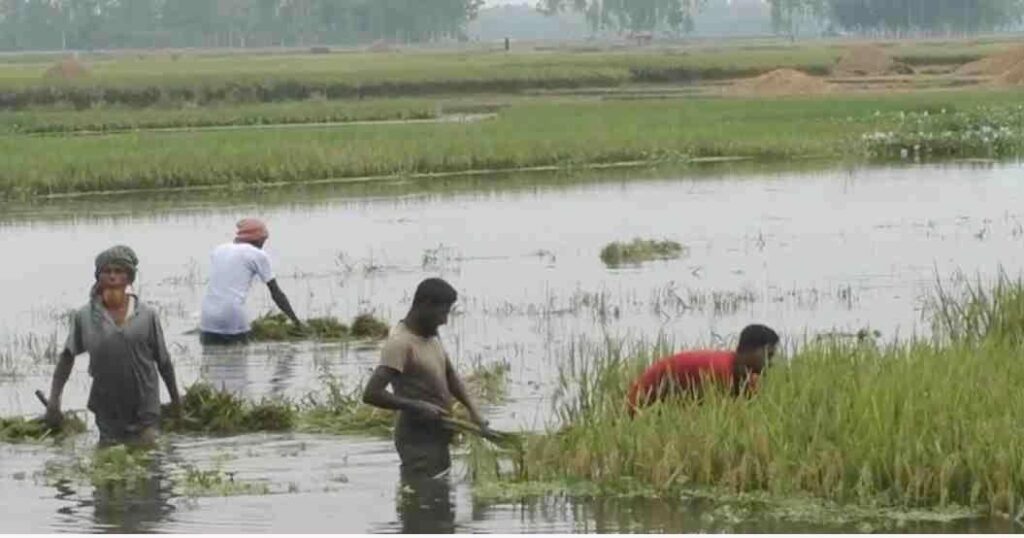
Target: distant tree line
899,17
98,24
101,24
631,15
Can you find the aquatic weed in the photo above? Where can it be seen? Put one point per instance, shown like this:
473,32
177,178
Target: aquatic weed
639,251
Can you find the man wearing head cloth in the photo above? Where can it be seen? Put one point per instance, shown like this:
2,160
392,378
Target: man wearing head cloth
232,269
127,354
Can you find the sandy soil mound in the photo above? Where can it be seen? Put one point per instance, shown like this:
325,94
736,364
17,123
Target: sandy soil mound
782,82
995,65
66,69
869,60
381,46
1013,77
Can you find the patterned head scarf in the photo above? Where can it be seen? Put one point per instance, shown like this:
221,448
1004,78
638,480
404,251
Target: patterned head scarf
122,255
251,230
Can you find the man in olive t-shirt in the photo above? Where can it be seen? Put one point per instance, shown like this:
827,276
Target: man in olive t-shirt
425,384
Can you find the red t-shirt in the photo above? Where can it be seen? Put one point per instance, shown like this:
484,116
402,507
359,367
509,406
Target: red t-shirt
684,372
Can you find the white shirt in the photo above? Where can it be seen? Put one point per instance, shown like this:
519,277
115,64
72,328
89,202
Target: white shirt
232,267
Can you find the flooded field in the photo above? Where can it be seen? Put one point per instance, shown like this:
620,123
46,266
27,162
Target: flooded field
806,252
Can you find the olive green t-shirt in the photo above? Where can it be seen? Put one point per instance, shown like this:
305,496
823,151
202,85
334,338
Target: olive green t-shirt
423,364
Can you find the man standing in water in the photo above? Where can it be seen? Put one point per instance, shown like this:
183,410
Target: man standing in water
686,372
425,383
126,349
232,268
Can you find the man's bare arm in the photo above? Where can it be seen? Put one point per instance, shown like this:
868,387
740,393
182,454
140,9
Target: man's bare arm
281,300
377,394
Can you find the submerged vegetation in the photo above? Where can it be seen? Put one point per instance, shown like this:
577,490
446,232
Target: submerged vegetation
639,251
918,423
124,471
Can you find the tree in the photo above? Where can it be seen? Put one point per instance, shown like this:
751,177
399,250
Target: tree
631,15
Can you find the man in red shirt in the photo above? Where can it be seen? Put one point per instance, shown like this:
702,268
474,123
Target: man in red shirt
686,372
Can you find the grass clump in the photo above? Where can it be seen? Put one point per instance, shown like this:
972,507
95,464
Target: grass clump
913,424
340,411
639,251
211,411
489,382
278,328
18,429
367,326
975,313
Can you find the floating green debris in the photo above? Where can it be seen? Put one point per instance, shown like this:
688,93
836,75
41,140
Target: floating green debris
639,251
123,470
278,328
208,410
119,469
367,326
18,429
196,482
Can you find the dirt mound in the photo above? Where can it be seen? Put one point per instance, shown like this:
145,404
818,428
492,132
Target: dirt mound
869,60
1013,77
381,46
66,69
782,82
995,65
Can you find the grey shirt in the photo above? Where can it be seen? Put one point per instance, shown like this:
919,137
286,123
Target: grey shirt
124,362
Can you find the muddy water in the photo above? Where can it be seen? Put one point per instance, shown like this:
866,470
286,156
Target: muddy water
806,252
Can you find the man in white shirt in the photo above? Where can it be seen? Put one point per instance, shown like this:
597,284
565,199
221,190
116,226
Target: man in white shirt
232,268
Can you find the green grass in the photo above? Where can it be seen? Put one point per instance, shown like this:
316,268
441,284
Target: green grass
211,411
979,312
913,424
277,328
639,251
114,118
488,382
162,78
338,411
565,134
19,429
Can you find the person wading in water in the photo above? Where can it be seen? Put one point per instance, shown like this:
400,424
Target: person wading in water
232,268
125,342
425,383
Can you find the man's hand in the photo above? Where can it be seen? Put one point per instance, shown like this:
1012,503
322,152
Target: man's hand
174,409
429,410
54,418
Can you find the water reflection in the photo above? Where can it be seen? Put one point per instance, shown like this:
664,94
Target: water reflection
139,506
284,364
227,367
425,504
